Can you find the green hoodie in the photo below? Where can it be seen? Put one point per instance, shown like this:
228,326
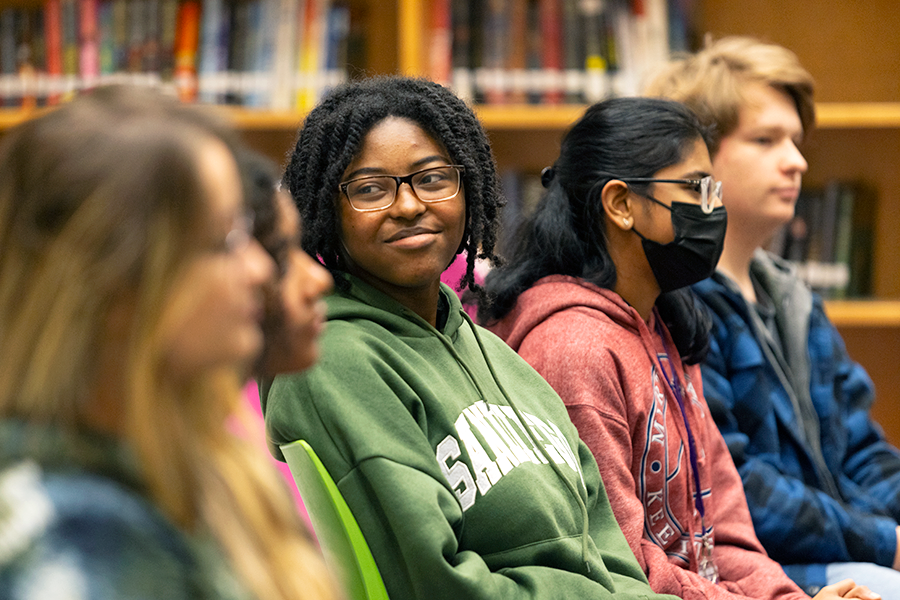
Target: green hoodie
455,498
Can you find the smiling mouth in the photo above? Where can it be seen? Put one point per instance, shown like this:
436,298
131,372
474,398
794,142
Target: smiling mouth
408,233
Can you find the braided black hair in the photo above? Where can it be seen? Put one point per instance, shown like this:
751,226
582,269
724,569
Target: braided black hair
332,136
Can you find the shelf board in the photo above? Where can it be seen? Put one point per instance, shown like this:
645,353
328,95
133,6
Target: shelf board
829,115
845,115
10,117
529,116
524,117
264,120
864,313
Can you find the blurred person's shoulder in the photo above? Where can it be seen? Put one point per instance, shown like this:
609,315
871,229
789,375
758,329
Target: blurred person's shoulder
69,533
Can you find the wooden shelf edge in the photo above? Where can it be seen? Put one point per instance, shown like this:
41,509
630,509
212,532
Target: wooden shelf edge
529,116
845,115
830,115
864,313
263,120
10,117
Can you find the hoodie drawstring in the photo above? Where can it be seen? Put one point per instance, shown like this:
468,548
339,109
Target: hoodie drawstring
556,469
569,485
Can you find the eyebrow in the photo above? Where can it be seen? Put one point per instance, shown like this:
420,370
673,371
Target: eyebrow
413,167
695,175
775,129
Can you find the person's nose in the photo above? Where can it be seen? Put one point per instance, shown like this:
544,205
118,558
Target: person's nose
793,160
406,203
258,265
318,280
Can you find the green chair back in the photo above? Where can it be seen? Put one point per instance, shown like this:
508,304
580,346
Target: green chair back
343,545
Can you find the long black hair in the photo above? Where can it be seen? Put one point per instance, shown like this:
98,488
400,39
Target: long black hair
623,137
333,134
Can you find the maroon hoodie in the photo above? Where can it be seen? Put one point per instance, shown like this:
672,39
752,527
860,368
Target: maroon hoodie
607,364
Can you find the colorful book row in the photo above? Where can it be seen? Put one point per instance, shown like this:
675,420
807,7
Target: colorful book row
275,54
551,51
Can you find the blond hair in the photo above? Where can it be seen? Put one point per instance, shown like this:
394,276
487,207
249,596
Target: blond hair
712,81
100,204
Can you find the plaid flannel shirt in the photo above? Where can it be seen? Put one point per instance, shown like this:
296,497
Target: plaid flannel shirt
799,522
75,524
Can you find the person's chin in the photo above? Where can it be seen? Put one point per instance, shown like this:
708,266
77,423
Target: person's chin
301,361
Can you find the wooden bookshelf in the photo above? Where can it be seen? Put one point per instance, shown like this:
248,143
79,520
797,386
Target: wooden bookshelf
857,138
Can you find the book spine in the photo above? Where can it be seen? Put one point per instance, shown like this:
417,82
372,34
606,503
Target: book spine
533,52
284,56
150,55
573,35
311,56
798,228
38,52
517,58
89,47
106,41
843,238
167,27
135,43
440,42
9,95
251,33
260,75
477,15
336,44
24,77
186,39
552,62
70,48
490,77
53,42
596,64
209,65
461,77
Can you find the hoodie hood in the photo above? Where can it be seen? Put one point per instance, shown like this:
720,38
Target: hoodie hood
474,487
557,293
359,300
362,301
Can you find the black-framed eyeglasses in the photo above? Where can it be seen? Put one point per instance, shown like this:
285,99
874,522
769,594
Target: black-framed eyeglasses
710,189
378,192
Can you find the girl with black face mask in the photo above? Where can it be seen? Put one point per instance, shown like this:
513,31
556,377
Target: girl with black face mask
591,298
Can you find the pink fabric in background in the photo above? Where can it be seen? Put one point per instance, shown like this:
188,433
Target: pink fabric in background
455,272
251,393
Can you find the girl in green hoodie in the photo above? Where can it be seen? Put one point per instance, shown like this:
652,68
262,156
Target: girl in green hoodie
459,462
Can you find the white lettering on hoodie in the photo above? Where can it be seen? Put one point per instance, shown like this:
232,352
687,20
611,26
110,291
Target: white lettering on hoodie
496,443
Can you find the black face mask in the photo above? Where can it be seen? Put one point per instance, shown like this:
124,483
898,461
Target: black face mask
693,254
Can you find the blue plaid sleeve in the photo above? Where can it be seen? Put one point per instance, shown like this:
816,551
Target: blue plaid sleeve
870,464
796,521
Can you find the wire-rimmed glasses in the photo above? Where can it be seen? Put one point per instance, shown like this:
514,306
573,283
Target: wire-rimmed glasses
710,189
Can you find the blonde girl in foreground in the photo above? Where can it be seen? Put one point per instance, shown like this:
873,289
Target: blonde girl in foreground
130,307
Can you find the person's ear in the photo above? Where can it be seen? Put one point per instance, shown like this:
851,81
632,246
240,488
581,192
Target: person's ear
617,204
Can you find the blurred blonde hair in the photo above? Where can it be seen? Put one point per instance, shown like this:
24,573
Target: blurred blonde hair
712,81
101,204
